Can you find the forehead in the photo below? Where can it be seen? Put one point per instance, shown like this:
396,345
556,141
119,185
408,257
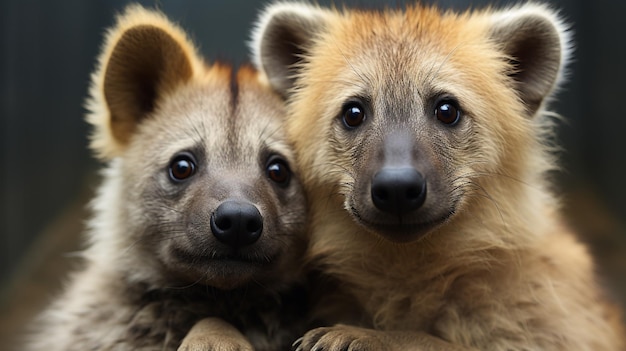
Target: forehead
228,117
416,46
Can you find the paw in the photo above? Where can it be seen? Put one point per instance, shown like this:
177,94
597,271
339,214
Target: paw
214,334
209,343
341,338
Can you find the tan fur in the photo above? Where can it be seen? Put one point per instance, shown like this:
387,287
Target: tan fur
498,270
206,331
155,269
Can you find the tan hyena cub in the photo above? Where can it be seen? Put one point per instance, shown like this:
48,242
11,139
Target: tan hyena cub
199,220
423,134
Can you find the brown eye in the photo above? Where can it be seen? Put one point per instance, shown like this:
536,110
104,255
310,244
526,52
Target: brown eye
278,171
448,112
353,115
182,167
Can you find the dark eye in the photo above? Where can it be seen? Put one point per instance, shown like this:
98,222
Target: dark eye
448,112
353,115
278,171
182,167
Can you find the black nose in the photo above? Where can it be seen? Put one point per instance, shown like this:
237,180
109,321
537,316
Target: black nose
237,223
398,190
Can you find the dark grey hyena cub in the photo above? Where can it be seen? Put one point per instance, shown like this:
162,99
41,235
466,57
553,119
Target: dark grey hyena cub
198,224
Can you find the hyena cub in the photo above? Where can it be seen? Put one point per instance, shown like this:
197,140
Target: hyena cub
425,134
198,221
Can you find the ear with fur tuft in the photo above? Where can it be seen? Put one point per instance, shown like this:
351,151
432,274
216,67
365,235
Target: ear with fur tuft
536,43
146,63
145,57
281,38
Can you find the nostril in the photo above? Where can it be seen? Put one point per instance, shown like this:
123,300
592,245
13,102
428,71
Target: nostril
380,193
254,225
413,192
223,223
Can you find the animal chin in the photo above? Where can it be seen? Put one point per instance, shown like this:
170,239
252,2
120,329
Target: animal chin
224,271
400,230
228,274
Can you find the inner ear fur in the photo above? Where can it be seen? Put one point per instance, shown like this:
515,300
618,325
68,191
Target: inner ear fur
281,39
535,42
145,57
146,63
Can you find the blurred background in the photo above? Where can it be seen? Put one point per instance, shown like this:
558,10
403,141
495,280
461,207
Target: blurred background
48,49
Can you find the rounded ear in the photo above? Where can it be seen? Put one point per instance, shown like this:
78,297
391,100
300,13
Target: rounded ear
281,38
145,57
536,43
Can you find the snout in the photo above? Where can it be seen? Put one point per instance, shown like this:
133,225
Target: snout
398,190
237,223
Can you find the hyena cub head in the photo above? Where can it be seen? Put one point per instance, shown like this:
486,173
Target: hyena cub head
408,116
200,186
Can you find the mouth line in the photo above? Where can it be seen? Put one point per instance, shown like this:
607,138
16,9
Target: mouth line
258,261
192,258
400,227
